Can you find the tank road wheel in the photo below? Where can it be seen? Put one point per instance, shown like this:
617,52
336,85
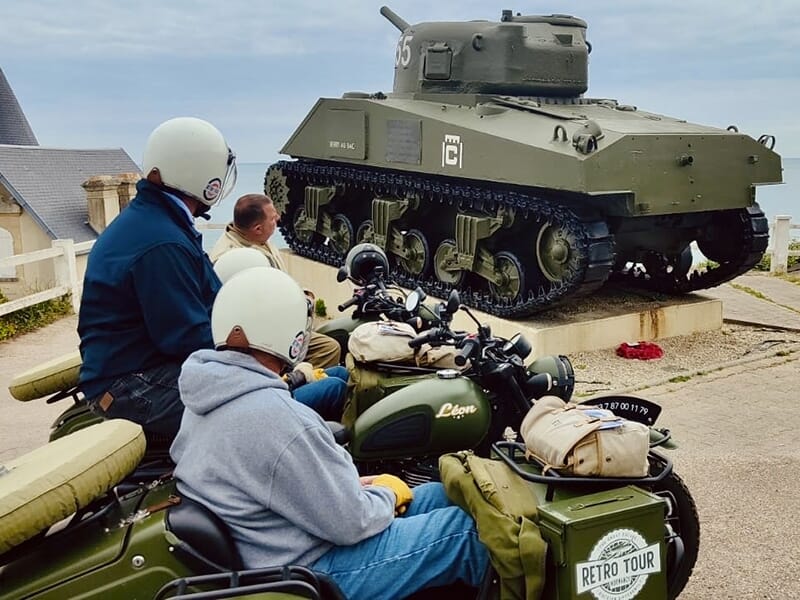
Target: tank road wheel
553,253
305,236
683,532
512,277
445,250
342,236
417,262
365,232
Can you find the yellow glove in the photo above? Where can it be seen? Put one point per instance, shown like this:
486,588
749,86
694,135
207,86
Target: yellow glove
309,372
402,492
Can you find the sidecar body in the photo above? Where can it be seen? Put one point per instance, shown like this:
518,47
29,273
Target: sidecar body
76,522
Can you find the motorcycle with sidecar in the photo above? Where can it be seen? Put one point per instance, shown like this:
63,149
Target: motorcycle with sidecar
131,535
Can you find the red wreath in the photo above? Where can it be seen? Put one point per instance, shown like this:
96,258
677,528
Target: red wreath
640,350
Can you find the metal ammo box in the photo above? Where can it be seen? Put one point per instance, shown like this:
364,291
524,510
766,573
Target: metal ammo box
607,545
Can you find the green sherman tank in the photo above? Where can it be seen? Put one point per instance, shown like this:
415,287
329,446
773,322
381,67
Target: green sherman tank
487,170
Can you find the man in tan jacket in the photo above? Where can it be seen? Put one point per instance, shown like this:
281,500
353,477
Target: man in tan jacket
254,221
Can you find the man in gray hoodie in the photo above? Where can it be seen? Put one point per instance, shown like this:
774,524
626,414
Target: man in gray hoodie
271,469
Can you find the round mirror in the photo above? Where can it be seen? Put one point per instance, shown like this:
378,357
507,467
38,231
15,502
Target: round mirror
412,302
453,302
341,274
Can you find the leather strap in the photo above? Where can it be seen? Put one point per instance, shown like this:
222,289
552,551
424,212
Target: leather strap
105,402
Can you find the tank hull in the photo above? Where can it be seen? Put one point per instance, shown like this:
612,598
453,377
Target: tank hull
644,164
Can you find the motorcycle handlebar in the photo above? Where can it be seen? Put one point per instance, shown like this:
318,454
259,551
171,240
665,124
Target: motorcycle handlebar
468,347
423,338
345,305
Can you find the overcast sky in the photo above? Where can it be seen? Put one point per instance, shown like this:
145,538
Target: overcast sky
97,74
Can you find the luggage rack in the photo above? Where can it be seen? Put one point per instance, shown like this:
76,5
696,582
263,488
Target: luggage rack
289,580
513,453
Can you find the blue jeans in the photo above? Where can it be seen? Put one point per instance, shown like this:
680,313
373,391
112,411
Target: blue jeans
149,398
434,544
326,396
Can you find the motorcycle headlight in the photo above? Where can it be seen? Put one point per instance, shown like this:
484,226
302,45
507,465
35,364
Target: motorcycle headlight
560,369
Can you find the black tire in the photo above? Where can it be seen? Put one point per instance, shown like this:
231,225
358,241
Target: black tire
683,532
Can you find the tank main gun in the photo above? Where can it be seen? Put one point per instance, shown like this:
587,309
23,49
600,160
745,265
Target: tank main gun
394,18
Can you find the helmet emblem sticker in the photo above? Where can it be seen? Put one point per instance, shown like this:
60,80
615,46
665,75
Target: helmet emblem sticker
297,345
212,189
618,566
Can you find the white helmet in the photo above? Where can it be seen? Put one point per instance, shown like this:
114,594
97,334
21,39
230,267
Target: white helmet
264,309
238,259
193,158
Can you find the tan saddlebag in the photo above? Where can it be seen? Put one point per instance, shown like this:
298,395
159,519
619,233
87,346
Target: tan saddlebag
585,440
382,341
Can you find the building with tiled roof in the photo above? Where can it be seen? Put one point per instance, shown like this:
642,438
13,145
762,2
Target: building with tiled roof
42,193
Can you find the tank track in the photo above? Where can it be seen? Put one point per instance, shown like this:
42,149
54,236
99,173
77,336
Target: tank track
751,241
594,243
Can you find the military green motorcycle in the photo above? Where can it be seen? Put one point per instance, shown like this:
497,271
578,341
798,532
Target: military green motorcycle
85,529
481,408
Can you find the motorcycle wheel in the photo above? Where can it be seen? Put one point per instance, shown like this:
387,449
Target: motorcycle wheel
683,532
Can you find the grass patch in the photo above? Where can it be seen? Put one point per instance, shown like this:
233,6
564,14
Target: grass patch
790,277
680,379
750,291
706,265
33,317
320,309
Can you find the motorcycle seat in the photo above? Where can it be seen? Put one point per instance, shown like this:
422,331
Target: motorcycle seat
206,545
54,481
205,542
47,378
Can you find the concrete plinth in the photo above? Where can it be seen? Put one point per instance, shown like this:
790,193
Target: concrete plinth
603,320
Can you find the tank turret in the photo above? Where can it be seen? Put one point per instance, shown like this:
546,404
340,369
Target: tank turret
522,55
488,170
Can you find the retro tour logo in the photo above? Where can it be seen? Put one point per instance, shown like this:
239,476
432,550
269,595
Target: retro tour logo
618,566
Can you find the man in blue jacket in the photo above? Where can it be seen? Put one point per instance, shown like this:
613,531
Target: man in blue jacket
149,286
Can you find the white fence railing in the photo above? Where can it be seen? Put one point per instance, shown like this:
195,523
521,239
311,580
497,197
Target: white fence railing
62,253
779,240
67,281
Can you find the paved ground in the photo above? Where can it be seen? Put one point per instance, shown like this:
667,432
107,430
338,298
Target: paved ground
737,431
742,306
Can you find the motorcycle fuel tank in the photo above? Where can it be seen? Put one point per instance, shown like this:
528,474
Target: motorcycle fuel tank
438,415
